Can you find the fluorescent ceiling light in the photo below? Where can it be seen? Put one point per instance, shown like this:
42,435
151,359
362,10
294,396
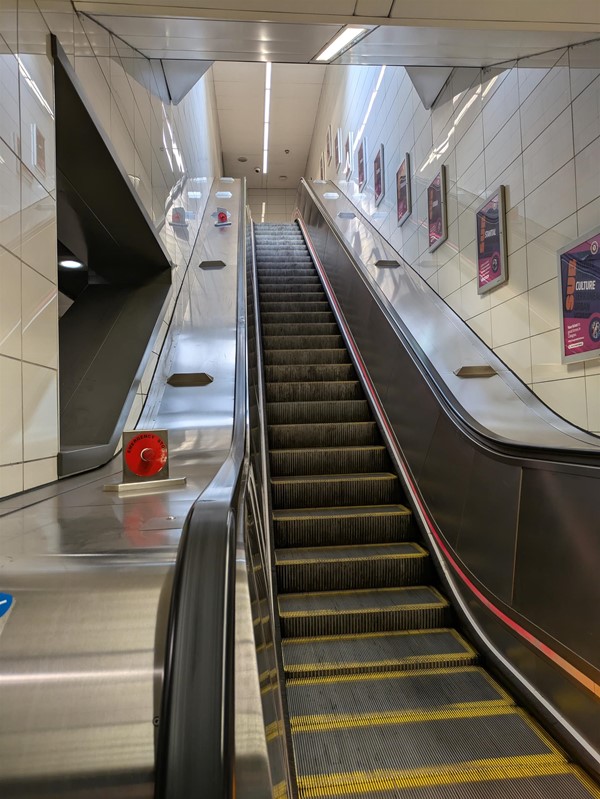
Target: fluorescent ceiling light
70,263
341,41
267,116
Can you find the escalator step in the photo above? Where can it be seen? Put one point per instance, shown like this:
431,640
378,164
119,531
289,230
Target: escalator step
292,317
272,283
324,411
346,759
338,526
329,460
290,306
342,568
303,342
313,391
331,434
375,652
527,781
308,286
318,491
292,357
376,610
294,297
310,373
348,699
299,329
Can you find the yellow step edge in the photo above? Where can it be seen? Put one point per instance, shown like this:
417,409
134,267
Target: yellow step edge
405,512
351,448
316,561
399,675
330,478
379,664
296,614
355,591
347,784
461,710
382,634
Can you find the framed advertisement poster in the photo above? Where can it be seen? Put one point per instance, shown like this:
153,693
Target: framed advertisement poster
322,167
349,156
437,219
362,164
329,144
579,287
492,269
337,149
403,195
379,176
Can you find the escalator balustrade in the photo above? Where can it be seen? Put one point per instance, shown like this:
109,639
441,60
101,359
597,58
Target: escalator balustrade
386,699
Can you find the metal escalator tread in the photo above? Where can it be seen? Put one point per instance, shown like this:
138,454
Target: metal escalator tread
356,552
409,695
375,652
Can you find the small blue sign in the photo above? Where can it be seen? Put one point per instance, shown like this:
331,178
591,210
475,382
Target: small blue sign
6,601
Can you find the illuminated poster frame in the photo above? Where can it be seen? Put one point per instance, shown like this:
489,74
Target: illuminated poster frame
329,144
437,215
338,149
349,156
379,175
579,297
322,167
492,265
403,192
362,164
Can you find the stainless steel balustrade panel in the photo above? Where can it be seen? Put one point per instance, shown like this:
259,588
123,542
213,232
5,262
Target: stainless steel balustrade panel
81,651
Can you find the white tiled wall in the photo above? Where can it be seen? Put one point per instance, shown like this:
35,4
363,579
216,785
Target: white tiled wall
156,143
272,205
533,128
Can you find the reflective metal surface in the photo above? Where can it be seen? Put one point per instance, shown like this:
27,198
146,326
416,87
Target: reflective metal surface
81,653
502,404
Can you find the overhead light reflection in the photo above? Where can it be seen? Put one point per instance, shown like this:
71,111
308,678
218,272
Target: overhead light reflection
341,41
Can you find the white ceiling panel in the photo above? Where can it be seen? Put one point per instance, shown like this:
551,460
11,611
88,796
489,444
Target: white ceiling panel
239,89
410,46
217,40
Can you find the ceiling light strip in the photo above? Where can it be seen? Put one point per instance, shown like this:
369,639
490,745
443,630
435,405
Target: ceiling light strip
341,41
267,117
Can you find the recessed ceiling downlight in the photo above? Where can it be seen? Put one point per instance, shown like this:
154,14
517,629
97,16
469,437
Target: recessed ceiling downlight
70,263
242,159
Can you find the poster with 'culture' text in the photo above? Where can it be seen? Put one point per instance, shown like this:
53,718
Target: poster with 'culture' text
579,286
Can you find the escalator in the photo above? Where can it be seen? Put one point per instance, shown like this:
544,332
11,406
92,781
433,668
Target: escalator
385,697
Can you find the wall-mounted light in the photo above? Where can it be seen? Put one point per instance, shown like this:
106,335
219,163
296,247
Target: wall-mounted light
267,116
70,263
344,38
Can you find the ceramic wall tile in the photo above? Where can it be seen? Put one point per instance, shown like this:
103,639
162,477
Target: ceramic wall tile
37,473
40,412
40,319
587,172
510,321
586,116
11,479
551,150
567,398
546,363
9,92
10,200
38,227
10,304
517,356
11,411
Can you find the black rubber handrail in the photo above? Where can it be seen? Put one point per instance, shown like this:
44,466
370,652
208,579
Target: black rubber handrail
195,752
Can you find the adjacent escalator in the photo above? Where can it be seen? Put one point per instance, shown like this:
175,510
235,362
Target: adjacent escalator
385,697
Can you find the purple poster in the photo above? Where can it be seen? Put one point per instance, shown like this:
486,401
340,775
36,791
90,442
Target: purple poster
329,145
378,176
403,198
436,210
349,156
579,281
491,249
338,149
362,164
